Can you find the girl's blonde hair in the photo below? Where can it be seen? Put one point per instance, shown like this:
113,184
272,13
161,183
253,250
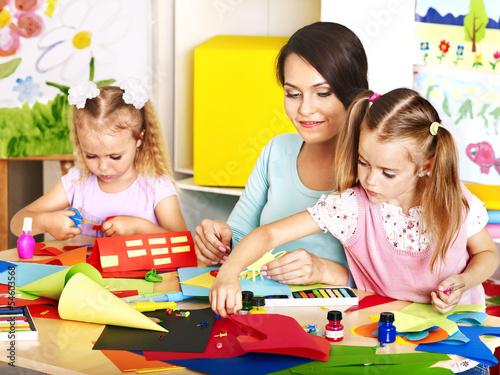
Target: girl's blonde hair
402,115
108,113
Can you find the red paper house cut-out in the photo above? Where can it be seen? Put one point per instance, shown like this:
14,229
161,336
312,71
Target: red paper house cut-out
162,251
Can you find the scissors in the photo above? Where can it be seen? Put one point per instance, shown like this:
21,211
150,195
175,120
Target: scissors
78,219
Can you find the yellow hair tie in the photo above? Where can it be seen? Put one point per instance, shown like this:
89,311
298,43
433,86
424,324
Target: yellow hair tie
434,128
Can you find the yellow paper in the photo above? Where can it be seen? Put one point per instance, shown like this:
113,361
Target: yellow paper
49,286
205,280
84,300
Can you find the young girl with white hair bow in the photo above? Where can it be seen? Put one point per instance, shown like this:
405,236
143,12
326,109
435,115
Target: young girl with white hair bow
123,179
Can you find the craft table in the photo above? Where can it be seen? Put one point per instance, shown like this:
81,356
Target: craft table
65,347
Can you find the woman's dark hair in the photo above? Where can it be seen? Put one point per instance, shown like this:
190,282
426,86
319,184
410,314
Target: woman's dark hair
335,52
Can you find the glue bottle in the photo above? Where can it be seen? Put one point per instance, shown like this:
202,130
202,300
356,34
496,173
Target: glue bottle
26,243
386,328
258,304
334,330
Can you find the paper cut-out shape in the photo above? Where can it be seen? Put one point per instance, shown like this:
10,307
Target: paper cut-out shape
420,316
197,281
256,267
475,349
371,300
84,300
130,362
280,334
68,258
162,251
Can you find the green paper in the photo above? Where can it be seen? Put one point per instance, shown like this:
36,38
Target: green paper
49,286
405,320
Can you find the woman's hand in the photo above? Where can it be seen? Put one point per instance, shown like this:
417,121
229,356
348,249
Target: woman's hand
225,294
302,267
442,300
212,241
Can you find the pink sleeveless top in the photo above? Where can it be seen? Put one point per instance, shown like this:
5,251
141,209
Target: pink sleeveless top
378,266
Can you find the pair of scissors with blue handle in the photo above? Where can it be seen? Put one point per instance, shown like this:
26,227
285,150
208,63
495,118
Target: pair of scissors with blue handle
78,219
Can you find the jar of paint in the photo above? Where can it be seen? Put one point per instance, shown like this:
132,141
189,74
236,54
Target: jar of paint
258,304
334,330
26,243
386,328
246,299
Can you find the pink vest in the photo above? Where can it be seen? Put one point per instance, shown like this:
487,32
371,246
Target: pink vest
378,266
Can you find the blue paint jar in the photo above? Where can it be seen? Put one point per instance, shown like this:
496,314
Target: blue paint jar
386,328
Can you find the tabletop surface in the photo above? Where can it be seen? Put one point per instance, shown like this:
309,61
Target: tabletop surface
65,347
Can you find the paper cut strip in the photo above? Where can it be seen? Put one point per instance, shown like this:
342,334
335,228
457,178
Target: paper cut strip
84,300
144,252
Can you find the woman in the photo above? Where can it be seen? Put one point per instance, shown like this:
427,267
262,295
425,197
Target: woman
321,68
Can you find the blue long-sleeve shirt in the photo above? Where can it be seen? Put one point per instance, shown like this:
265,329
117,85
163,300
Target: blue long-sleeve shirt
274,191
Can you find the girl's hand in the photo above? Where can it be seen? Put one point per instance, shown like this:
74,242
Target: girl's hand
212,240
121,226
225,295
441,301
59,225
296,267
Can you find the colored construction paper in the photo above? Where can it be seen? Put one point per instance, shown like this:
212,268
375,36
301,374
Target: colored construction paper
369,301
4,266
280,334
493,311
84,300
248,364
420,316
129,362
393,369
346,357
475,349
230,345
184,334
458,338
42,249
25,302
197,281
69,258
491,288
44,311
425,336
29,272
162,251
468,317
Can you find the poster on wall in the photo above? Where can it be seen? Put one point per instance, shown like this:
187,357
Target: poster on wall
46,46
456,53
458,33
469,107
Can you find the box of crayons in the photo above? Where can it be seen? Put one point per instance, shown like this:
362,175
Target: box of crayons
16,324
316,297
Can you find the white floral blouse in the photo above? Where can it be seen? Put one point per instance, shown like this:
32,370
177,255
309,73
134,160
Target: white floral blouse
404,231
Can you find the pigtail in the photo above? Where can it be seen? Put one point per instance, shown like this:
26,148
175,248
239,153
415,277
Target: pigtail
152,157
443,193
346,159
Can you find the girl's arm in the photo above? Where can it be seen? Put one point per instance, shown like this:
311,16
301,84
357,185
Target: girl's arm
168,213
49,215
225,293
483,263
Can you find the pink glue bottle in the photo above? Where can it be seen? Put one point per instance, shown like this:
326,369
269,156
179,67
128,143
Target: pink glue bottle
26,243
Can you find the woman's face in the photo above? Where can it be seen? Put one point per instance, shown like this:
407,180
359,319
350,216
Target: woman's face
310,103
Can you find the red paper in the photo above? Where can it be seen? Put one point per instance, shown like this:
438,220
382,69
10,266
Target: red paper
491,289
44,311
162,251
369,301
280,334
4,301
68,258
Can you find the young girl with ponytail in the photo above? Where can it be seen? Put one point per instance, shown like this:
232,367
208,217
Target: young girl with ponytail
410,229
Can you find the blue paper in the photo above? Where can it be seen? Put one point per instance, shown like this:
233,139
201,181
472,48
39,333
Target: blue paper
468,317
475,349
250,363
259,287
28,272
4,266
